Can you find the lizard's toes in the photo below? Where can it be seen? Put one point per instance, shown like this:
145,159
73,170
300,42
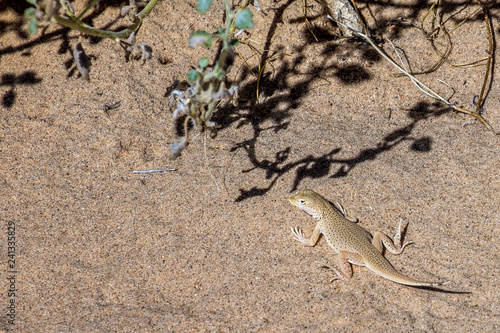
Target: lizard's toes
298,234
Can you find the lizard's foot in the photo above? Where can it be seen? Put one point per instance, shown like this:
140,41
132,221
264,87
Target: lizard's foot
381,240
397,240
338,275
298,235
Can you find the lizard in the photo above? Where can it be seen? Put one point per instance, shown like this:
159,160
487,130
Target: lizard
352,243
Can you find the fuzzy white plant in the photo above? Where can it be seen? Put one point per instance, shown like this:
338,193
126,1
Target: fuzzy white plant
207,84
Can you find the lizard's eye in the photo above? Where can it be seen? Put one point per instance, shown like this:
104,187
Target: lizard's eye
302,202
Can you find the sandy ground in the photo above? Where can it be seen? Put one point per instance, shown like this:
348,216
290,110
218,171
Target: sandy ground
208,247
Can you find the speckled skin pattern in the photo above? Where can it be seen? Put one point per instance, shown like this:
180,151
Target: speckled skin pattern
353,244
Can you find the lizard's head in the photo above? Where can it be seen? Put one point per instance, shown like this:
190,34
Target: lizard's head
308,201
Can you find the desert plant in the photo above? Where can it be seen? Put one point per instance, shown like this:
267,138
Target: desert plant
63,13
208,85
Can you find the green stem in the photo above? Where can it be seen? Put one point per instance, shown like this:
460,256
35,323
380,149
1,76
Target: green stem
149,7
91,4
116,36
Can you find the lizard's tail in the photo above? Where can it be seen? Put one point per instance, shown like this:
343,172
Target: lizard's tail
391,274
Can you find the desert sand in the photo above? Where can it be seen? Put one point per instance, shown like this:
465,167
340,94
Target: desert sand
208,247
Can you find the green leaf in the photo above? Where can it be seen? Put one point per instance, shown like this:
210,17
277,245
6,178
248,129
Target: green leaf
193,75
33,2
244,19
220,75
33,26
203,5
204,62
200,37
234,42
29,12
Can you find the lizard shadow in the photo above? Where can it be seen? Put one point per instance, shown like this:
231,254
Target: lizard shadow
441,290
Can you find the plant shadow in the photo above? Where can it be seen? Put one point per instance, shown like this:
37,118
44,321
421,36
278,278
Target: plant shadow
12,80
19,26
279,97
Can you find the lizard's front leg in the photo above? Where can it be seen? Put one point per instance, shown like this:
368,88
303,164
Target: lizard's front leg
343,211
300,237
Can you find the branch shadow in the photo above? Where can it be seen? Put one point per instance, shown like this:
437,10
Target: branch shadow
314,167
15,25
20,27
411,13
25,49
279,98
12,80
421,111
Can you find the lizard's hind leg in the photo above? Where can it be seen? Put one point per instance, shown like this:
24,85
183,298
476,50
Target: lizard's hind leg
381,240
345,259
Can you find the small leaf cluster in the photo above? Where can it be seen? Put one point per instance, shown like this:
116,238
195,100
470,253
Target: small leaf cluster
36,13
63,13
208,84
